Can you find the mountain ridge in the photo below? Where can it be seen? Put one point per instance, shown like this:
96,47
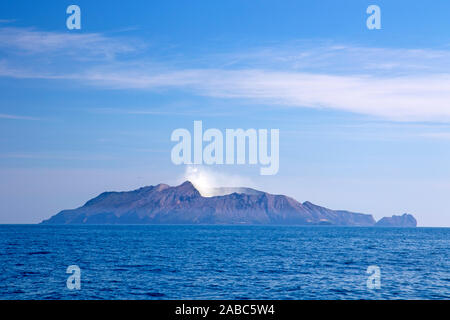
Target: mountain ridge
184,204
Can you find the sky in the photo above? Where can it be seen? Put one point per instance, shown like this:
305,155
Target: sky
364,115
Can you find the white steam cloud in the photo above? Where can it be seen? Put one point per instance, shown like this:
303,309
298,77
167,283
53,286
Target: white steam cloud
208,182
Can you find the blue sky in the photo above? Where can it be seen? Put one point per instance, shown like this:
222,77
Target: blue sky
364,115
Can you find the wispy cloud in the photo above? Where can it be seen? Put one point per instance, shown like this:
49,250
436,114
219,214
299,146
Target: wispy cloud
437,135
178,113
7,20
81,46
330,58
61,157
16,117
401,98
394,84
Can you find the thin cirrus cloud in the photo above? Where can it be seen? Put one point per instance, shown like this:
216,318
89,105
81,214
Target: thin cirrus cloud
326,57
393,84
418,98
17,117
42,156
437,135
29,41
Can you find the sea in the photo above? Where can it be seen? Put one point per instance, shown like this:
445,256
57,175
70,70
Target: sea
223,262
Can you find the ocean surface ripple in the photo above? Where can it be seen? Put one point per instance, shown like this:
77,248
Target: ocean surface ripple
223,262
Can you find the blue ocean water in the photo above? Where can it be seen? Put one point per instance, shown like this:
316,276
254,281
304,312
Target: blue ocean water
223,262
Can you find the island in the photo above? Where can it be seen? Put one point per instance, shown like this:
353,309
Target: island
183,204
